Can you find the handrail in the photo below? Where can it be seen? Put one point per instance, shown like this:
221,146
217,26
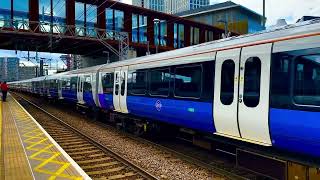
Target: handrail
59,30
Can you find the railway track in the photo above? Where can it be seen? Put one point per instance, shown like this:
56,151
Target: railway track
218,166
98,161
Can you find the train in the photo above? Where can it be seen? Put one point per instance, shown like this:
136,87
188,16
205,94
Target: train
261,88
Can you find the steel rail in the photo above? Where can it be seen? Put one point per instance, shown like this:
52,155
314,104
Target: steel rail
103,148
187,158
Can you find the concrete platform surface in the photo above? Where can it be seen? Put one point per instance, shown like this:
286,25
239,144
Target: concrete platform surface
27,151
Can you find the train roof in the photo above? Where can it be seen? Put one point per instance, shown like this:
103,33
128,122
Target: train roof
306,27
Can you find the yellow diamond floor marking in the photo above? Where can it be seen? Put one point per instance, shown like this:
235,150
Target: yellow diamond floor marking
1,157
40,147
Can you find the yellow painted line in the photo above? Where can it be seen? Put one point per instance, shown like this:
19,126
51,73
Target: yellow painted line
41,146
1,168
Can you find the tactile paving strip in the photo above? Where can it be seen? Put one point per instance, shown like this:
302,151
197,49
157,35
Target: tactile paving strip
46,160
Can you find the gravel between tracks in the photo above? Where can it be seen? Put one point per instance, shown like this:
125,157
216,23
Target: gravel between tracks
156,161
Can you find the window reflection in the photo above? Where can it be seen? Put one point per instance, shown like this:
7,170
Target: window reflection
59,16
45,15
21,14
134,28
142,29
91,20
79,17
5,13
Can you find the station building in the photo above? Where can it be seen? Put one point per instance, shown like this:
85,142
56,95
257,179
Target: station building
239,18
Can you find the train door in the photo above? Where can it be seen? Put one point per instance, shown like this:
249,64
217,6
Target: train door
241,102
254,89
59,81
120,89
226,93
116,90
80,89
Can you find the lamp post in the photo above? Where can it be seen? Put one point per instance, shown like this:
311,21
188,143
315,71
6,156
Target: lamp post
156,22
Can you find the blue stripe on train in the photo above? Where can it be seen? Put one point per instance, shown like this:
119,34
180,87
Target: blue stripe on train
88,98
297,131
106,101
70,95
53,93
191,114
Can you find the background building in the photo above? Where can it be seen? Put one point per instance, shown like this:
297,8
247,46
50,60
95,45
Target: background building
176,6
171,6
9,69
27,70
157,5
239,18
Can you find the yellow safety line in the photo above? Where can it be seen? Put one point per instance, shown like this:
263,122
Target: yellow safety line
34,137
1,168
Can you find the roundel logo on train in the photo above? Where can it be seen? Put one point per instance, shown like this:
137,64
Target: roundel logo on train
158,105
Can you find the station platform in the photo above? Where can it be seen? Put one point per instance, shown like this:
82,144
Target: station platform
27,151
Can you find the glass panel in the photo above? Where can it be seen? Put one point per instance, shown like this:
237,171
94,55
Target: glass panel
134,28
159,82
21,14
119,20
5,13
307,80
252,74
280,82
188,81
91,20
156,33
73,83
107,83
142,29
45,15
163,33
87,84
139,83
79,17
227,82
109,23
191,35
196,34
123,84
175,35
181,36
117,84
59,16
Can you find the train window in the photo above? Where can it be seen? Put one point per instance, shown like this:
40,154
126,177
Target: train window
252,76
87,84
188,81
107,83
117,84
73,83
66,84
227,82
138,83
307,80
159,83
123,84
280,82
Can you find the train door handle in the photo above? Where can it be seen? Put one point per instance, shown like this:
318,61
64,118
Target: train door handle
240,100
